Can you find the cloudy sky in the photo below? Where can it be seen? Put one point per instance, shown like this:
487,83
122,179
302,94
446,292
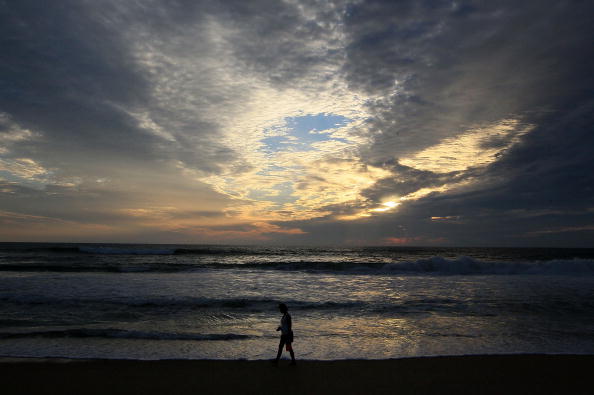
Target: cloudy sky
463,123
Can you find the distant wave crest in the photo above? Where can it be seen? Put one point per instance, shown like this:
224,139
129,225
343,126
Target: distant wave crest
122,334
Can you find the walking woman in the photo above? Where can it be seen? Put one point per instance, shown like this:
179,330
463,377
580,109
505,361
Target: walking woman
286,338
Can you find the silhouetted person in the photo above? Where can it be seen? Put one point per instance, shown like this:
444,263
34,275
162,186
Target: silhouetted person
286,333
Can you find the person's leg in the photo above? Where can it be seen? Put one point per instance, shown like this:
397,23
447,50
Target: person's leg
290,349
280,349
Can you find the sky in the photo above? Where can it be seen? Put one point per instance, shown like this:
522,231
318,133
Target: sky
422,123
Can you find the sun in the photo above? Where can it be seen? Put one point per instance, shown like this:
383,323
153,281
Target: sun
387,206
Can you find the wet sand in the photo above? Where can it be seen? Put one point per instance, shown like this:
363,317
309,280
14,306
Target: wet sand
496,374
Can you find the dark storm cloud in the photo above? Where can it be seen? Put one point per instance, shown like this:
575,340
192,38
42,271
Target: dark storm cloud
440,68
60,71
278,40
545,184
69,72
406,180
457,64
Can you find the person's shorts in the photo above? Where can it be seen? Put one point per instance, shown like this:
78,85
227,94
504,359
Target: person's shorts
288,338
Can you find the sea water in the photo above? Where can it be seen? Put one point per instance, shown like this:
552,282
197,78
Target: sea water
220,302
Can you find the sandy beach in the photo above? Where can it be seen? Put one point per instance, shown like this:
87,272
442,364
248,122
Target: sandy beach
497,374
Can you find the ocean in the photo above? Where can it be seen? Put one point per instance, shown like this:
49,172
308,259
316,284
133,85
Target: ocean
220,302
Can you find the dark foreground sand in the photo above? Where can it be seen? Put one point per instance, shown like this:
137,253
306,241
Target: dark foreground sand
502,374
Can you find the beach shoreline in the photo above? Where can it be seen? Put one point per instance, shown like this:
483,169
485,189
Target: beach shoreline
472,374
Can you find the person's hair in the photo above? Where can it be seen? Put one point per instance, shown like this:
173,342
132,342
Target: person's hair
283,307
